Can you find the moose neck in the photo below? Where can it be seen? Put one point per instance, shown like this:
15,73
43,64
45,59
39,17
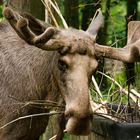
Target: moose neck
46,74
33,69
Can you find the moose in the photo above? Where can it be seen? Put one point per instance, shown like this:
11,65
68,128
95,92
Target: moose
40,62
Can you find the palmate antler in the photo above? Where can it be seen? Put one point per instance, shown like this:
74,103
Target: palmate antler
21,26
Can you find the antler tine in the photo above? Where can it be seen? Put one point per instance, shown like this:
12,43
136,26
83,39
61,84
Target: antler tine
31,37
36,23
12,18
44,37
20,25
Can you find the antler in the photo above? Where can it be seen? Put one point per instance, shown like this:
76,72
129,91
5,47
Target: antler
12,17
37,26
130,53
21,26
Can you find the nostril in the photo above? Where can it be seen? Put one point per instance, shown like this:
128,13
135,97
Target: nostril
69,114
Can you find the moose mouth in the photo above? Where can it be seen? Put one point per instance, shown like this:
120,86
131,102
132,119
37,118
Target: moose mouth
78,126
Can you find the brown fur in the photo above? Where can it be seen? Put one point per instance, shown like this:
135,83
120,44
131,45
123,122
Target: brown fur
26,74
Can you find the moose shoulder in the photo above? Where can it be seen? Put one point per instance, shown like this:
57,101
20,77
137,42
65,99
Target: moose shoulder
57,63
23,71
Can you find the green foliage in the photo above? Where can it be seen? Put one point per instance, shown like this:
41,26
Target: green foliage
66,137
1,16
117,24
137,76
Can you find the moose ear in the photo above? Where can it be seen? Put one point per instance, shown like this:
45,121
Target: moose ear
96,23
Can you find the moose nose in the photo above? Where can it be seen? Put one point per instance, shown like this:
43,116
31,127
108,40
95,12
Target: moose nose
73,112
78,121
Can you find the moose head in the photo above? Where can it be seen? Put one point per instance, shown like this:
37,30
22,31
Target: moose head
77,60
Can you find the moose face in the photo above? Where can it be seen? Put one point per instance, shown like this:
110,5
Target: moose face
75,73
76,65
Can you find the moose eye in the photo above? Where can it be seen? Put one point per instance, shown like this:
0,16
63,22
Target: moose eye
62,65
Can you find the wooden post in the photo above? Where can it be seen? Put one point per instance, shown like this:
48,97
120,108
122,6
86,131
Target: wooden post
92,136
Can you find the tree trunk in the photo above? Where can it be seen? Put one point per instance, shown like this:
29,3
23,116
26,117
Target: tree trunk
1,2
103,32
88,11
34,7
132,10
71,13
